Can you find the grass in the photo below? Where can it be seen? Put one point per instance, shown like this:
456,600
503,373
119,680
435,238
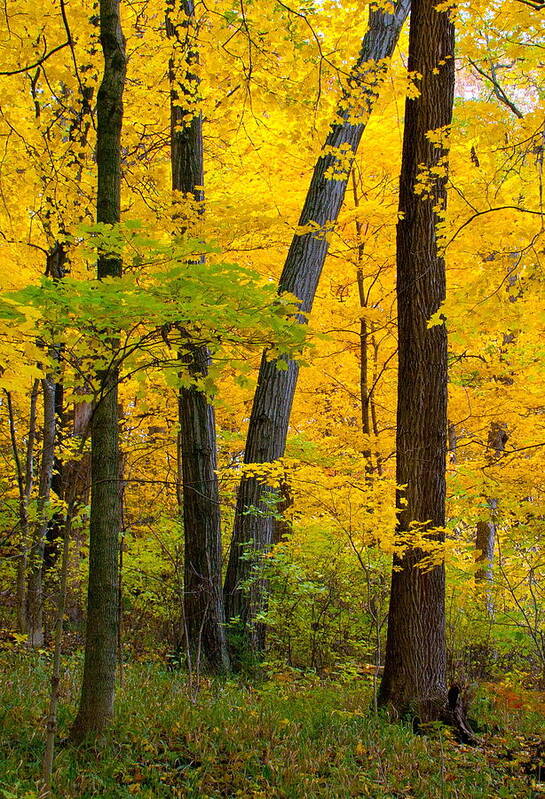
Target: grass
288,739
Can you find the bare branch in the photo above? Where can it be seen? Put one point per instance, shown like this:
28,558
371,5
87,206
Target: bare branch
499,93
39,62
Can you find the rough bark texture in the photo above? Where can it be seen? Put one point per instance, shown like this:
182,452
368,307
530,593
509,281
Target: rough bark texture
414,679
203,602
273,399
97,694
204,630
485,540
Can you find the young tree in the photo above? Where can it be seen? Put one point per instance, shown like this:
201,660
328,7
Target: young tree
25,479
97,693
203,601
414,677
34,597
48,480
266,439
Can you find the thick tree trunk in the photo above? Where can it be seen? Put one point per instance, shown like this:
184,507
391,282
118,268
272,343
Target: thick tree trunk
203,612
97,694
273,399
414,679
203,601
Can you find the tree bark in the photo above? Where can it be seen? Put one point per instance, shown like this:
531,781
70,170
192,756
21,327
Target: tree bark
414,679
48,480
203,611
485,538
25,481
34,597
275,390
54,532
97,694
51,721
364,335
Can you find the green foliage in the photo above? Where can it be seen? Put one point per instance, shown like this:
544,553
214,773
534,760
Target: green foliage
152,584
170,298
291,736
326,609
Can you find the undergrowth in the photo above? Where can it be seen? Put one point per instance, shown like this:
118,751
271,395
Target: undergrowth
292,737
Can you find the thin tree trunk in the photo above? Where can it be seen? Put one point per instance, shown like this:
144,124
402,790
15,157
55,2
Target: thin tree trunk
34,598
51,723
56,260
365,397
25,480
485,538
414,679
452,442
101,641
203,601
373,406
275,390
54,532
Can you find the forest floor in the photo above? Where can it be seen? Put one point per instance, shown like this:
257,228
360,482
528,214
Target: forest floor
292,737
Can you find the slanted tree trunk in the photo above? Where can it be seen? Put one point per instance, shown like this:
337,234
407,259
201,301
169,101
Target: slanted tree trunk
203,612
414,679
97,693
273,399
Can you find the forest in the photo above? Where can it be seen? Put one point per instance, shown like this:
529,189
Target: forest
272,401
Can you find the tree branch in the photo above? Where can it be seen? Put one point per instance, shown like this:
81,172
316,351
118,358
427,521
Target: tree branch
39,62
497,89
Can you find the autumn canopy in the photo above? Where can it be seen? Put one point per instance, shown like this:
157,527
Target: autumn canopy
272,317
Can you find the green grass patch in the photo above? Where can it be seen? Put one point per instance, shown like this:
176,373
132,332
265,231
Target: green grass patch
294,739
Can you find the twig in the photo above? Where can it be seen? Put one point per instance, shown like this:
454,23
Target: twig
38,62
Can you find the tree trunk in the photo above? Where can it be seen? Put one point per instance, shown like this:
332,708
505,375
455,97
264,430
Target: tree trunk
97,694
414,679
485,539
54,695
34,597
203,612
273,399
25,480
54,532
50,476
365,334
